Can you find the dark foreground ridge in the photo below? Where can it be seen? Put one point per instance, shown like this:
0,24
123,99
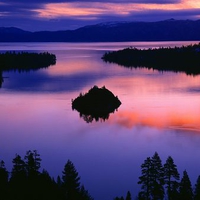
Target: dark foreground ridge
27,181
97,104
25,61
178,59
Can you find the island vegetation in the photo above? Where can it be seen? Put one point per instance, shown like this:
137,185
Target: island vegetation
178,59
97,104
25,61
26,180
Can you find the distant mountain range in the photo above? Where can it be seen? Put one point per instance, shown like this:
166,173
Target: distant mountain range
168,30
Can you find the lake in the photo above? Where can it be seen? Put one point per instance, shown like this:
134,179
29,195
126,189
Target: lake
160,111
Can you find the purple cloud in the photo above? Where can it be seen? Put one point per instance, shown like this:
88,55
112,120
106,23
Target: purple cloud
26,15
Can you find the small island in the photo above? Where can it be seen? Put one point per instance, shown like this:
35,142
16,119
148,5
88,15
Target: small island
178,59
97,104
25,61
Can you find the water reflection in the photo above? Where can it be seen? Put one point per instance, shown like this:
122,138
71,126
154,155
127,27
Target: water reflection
159,112
162,101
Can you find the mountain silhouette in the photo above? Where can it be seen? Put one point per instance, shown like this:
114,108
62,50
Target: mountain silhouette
168,30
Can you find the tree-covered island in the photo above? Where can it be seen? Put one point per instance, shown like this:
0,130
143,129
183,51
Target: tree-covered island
96,104
178,59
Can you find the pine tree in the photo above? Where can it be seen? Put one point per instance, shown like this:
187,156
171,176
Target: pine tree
18,169
59,182
157,177
128,196
146,180
3,181
171,177
84,194
46,187
32,160
197,189
185,189
71,184
152,179
18,180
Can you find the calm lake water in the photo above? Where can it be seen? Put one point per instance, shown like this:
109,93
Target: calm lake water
159,112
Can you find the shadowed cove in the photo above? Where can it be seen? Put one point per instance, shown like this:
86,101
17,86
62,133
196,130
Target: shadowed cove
97,104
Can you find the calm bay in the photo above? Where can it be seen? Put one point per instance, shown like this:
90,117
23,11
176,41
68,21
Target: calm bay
159,112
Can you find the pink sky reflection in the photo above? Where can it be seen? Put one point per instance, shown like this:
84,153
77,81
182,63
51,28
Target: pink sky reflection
167,101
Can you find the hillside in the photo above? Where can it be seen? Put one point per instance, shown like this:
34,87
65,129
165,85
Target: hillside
168,30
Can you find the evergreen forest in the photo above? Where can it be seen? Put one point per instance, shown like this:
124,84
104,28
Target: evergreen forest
157,181
177,59
25,61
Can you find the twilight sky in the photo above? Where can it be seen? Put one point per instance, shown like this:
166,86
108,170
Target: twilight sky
71,14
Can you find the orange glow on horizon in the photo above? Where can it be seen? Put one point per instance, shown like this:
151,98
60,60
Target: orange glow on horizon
163,102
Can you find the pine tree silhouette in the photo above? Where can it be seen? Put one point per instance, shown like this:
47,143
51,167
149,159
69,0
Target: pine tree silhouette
3,181
18,180
158,177
197,189
171,177
128,196
146,179
71,184
185,189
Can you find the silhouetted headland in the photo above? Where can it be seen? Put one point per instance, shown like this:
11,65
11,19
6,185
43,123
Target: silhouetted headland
25,61
97,104
1,79
178,59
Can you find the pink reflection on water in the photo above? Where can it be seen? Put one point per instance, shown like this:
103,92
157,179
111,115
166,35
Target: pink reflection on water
158,101
156,108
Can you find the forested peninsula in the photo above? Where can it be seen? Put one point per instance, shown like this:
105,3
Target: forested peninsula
178,59
25,61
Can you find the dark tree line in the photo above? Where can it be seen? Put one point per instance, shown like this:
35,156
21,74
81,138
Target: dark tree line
26,181
162,181
178,59
25,61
